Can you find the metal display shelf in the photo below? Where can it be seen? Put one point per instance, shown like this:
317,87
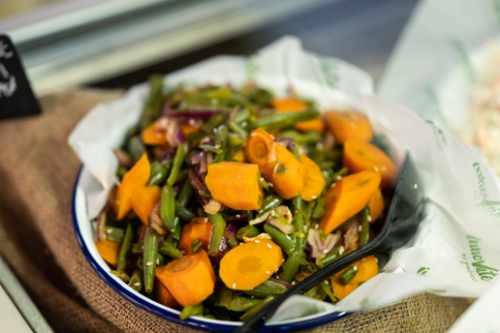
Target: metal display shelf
74,43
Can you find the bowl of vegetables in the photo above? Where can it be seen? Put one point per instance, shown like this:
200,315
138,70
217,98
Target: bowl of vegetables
227,195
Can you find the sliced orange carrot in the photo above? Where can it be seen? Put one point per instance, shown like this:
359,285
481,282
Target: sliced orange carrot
190,279
198,229
133,179
235,184
153,135
348,197
349,125
164,296
260,149
292,104
314,181
288,173
249,264
340,290
363,156
376,205
144,200
108,250
367,268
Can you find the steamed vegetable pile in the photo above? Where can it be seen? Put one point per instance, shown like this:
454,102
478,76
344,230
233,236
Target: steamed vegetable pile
227,196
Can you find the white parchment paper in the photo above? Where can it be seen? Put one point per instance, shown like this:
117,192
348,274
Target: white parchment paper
455,252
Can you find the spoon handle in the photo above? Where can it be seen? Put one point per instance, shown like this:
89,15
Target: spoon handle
260,318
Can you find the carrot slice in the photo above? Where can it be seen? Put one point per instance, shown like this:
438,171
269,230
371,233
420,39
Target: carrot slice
164,296
199,228
190,279
363,156
288,173
260,149
348,197
249,264
133,179
108,250
144,200
235,184
349,125
376,205
291,104
314,181
152,135
341,291
367,268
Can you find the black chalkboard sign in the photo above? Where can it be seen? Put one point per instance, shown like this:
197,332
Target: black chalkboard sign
16,96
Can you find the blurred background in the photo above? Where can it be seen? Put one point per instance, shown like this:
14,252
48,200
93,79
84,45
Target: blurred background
118,43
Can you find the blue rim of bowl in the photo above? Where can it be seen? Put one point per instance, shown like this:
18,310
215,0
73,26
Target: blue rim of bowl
166,314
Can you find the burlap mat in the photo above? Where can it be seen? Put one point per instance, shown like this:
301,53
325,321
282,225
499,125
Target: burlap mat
37,172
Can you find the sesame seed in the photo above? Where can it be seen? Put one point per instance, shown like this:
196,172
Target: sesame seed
269,245
233,285
257,241
268,272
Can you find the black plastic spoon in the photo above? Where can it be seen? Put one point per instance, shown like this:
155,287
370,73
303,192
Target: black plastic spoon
404,215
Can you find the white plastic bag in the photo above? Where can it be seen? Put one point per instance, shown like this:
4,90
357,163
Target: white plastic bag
455,252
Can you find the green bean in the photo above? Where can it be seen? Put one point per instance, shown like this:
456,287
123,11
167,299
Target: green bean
179,157
137,248
167,207
121,275
184,213
264,183
267,288
213,122
196,245
149,259
302,138
191,310
169,249
115,234
230,238
235,140
247,231
364,234
121,171
159,171
315,292
319,208
348,274
283,120
270,202
255,309
152,108
135,281
221,134
233,302
125,248
327,289
218,227
298,204
185,193
283,240
176,233
341,173
135,147
241,116
233,126
330,257
292,265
